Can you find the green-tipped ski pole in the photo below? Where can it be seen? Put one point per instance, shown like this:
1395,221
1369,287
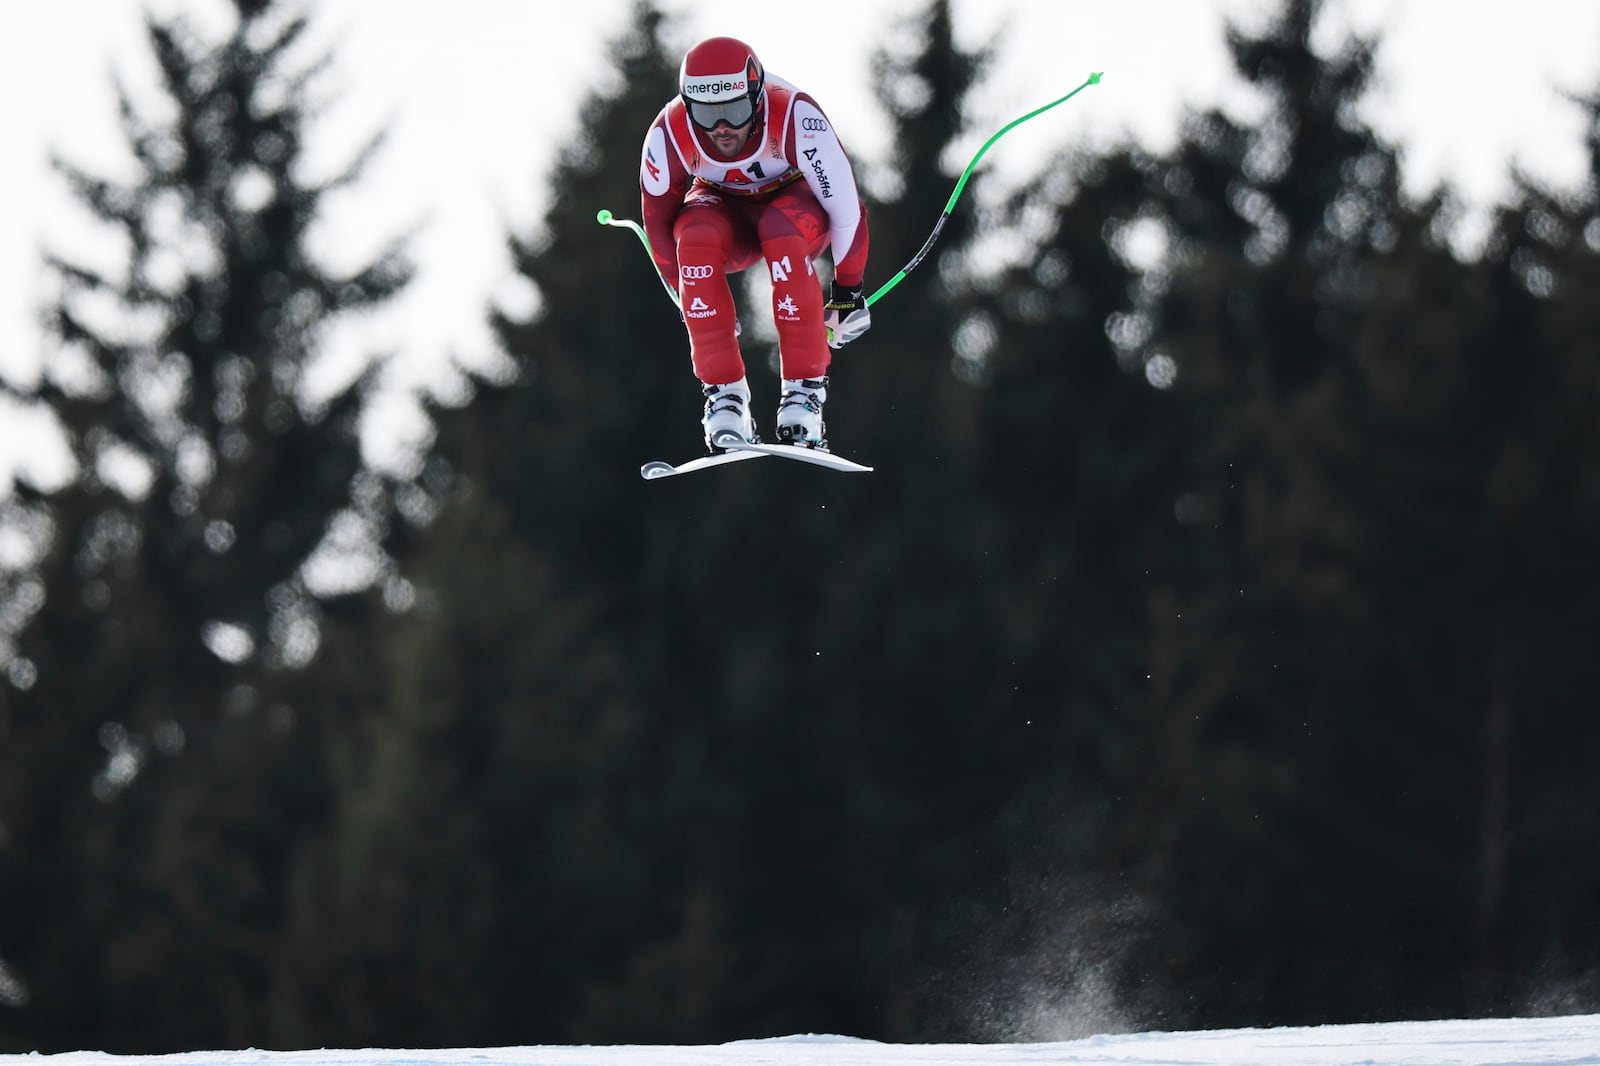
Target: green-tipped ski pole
950,205
605,217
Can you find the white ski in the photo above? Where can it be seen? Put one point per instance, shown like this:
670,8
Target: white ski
814,456
738,449
657,468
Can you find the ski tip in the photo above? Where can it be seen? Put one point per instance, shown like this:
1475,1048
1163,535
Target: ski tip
655,468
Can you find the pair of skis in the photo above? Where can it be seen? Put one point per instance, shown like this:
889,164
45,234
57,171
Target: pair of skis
737,449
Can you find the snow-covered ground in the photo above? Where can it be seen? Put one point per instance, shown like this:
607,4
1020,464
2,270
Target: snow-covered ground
1573,1041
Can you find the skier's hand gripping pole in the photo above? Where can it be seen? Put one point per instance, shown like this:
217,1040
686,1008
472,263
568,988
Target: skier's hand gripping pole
845,314
605,218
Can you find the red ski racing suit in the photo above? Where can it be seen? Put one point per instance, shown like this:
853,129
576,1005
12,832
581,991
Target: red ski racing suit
788,193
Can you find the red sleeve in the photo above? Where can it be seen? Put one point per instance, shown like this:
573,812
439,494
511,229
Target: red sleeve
812,145
663,181
850,268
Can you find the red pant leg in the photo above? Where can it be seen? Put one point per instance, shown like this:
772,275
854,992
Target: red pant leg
793,230
714,240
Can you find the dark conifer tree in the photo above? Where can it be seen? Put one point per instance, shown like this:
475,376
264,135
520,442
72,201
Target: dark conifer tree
535,729
1262,696
1520,613
1079,447
1336,767
157,773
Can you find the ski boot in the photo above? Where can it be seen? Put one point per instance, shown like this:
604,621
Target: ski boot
800,413
728,408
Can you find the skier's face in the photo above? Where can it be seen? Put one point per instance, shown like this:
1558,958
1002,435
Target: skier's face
729,139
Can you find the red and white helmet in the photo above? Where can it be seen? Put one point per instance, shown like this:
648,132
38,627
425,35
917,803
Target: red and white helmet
720,81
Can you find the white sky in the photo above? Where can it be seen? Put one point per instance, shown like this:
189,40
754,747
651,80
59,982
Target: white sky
1466,89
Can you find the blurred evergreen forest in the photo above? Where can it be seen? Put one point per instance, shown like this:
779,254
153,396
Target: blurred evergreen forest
1214,645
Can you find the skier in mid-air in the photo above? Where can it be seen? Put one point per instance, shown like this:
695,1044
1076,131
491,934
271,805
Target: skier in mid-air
743,168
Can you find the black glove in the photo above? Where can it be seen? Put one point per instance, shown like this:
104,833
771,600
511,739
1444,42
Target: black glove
845,314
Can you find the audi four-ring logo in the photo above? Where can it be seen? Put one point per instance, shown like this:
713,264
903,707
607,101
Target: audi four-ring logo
815,125
695,273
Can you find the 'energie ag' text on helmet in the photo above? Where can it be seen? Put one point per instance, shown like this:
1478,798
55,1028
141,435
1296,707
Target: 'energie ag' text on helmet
720,81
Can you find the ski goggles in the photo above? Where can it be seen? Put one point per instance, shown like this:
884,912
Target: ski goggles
735,112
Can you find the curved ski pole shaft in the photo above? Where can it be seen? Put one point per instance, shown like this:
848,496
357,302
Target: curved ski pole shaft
950,205
606,218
